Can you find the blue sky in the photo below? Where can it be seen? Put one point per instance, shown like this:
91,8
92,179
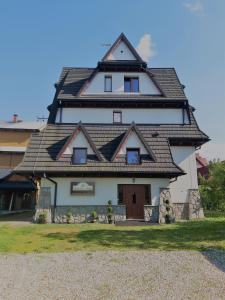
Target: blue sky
38,38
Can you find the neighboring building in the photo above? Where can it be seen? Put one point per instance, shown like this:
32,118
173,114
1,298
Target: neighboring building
202,166
122,132
16,192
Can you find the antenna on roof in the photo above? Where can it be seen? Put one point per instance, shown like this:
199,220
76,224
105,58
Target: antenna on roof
106,45
41,119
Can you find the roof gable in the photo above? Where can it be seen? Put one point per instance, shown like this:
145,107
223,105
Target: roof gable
122,50
133,137
81,139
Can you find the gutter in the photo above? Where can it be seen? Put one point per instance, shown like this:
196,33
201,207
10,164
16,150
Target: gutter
55,196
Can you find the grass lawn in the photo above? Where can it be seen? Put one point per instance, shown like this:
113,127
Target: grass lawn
189,235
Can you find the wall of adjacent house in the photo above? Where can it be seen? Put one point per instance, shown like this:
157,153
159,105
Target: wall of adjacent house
184,157
105,115
97,84
105,189
10,160
14,138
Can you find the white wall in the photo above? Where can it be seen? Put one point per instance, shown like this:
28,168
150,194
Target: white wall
79,141
105,115
132,141
97,84
121,52
105,189
184,157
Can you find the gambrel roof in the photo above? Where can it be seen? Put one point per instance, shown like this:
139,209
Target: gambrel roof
72,80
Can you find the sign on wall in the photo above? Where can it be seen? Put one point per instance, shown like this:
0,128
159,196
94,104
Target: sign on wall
82,188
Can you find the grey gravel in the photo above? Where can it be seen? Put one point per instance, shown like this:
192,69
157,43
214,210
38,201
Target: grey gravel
113,275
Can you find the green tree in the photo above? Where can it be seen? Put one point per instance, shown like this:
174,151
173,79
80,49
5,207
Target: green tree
212,190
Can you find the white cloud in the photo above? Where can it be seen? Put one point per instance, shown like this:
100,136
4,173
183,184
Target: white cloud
213,151
146,47
194,7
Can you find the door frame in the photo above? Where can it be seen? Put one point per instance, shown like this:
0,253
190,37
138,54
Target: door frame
147,200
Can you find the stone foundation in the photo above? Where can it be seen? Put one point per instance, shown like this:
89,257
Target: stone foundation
151,213
82,213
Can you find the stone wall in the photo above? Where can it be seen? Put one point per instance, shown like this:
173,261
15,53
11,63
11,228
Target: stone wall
151,213
181,211
195,205
165,205
82,213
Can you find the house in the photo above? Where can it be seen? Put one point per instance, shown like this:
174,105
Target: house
16,192
121,131
202,166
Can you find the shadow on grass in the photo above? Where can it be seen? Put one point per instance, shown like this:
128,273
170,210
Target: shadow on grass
199,235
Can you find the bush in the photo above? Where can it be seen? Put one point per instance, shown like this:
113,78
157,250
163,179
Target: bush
109,211
212,190
42,218
94,216
214,214
68,217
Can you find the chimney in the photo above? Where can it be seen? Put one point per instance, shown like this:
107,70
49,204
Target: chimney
15,118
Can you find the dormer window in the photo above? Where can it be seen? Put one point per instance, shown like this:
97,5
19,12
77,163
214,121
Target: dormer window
117,116
131,84
108,83
133,156
79,156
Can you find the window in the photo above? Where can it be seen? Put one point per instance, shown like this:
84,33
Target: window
131,84
133,156
108,83
79,156
117,117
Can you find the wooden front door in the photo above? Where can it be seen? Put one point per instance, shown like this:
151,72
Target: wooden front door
134,197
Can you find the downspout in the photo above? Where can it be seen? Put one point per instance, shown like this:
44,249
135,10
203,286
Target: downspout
55,196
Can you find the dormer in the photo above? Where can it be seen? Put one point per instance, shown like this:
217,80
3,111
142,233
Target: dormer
133,146
121,71
79,147
122,50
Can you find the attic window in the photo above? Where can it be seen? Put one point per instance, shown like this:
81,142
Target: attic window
79,156
117,117
131,84
133,156
108,83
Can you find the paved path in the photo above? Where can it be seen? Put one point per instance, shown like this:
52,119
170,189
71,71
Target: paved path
113,275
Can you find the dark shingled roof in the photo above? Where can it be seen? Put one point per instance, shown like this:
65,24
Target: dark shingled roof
74,79
44,147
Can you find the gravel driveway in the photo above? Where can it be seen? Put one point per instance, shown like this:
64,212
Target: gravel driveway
113,275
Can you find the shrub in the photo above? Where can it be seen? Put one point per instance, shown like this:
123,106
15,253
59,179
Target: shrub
212,190
68,217
42,218
109,211
94,216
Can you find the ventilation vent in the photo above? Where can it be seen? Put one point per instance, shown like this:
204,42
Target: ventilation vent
155,134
